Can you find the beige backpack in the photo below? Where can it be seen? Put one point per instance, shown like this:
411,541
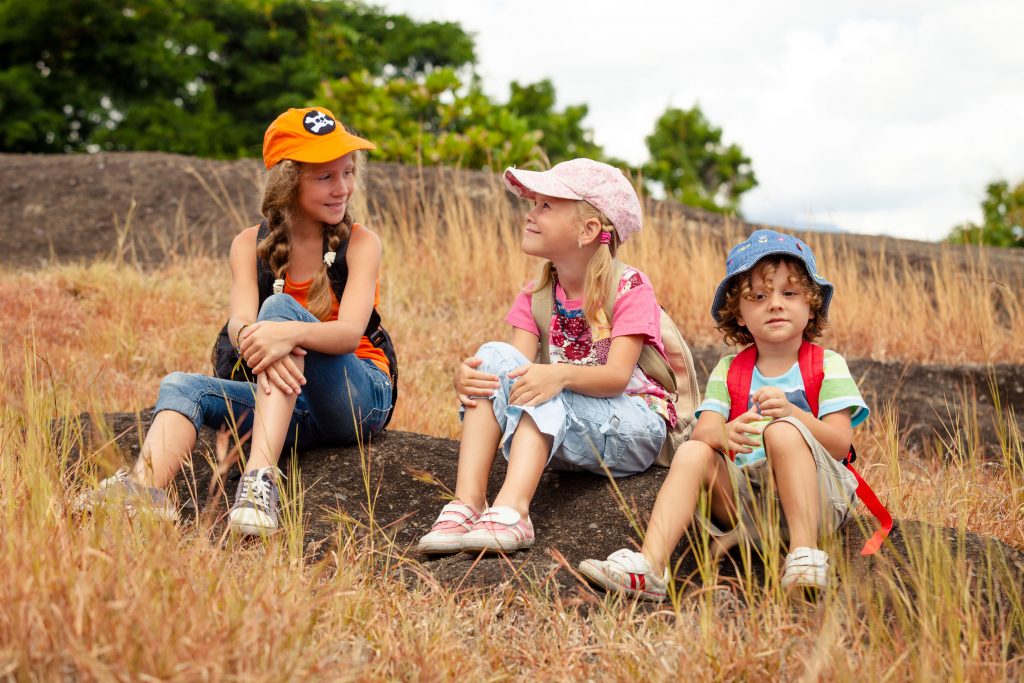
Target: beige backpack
677,375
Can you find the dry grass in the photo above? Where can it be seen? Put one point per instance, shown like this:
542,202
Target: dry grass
110,331
107,599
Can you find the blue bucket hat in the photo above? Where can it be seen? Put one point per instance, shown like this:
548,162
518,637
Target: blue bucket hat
763,243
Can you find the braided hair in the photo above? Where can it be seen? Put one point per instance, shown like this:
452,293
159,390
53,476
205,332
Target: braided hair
280,194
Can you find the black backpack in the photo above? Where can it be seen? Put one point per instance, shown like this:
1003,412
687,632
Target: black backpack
226,362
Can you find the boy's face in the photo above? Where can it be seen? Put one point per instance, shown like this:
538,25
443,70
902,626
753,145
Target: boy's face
776,310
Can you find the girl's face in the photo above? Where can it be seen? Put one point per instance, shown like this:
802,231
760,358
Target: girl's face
552,228
776,309
326,189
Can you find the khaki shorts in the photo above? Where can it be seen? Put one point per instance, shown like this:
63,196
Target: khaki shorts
760,510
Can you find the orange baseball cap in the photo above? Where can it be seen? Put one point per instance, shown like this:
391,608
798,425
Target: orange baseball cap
312,134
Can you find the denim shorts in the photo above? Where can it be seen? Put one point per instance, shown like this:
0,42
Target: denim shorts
621,433
344,397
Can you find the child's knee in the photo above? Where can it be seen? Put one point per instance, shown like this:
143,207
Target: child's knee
500,357
176,383
782,437
694,454
280,306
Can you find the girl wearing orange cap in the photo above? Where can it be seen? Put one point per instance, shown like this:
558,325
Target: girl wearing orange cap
321,376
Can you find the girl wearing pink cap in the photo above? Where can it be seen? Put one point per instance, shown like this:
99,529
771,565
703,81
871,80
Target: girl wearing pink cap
590,408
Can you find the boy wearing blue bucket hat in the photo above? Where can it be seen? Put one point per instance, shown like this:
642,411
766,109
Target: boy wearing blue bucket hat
775,428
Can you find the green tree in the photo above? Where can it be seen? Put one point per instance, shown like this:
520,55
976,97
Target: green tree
190,76
67,74
693,165
439,119
563,135
1002,218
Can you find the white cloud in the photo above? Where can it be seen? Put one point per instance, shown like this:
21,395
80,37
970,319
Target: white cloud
881,117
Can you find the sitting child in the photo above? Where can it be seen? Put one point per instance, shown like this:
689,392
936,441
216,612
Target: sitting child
773,298
590,408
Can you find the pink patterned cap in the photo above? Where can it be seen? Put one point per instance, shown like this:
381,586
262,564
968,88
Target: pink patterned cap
602,185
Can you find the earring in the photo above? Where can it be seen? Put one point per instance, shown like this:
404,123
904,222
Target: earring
579,243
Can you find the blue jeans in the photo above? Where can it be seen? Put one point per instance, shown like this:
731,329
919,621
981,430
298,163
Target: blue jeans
343,397
622,433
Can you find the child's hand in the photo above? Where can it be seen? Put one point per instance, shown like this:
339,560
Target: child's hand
773,403
737,432
266,342
535,384
283,374
471,382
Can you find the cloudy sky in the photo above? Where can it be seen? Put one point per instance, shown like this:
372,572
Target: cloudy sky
877,117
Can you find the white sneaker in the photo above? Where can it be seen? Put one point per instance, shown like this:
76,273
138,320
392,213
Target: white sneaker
628,572
805,568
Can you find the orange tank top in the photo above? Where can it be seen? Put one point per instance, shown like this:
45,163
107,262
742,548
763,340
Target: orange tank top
300,292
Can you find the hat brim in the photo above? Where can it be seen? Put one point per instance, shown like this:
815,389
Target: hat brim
526,184
321,151
719,301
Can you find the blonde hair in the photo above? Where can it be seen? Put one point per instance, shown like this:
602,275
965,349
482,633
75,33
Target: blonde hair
742,284
280,193
599,276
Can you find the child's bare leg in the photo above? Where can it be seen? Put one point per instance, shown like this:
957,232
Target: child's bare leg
796,480
479,443
695,465
270,423
527,458
168,444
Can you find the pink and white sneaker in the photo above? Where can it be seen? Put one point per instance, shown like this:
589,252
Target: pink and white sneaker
445,536
626,571
499,529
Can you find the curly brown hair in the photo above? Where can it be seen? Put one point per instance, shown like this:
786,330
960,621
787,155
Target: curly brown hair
740,286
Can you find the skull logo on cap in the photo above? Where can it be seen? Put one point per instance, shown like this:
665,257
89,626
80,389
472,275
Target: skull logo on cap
318,123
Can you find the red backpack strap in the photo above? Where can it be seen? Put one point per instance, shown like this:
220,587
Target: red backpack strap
812,372
875,507
741,372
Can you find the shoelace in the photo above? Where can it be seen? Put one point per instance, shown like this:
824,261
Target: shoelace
258,490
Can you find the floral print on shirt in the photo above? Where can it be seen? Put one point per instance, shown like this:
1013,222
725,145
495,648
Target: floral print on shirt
573,340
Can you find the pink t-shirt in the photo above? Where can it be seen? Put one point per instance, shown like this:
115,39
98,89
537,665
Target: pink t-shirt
573,340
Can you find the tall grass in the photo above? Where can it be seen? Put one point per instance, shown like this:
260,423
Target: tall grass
108,598
452,266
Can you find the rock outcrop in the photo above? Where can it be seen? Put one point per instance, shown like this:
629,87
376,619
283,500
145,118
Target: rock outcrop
576,516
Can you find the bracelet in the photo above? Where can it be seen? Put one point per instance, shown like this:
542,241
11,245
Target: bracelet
238,337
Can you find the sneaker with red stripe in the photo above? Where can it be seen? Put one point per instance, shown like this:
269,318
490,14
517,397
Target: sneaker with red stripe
499,529
445,536
626,571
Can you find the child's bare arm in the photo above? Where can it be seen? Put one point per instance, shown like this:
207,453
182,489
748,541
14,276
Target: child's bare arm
537,383
470,382
525,342
833,431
